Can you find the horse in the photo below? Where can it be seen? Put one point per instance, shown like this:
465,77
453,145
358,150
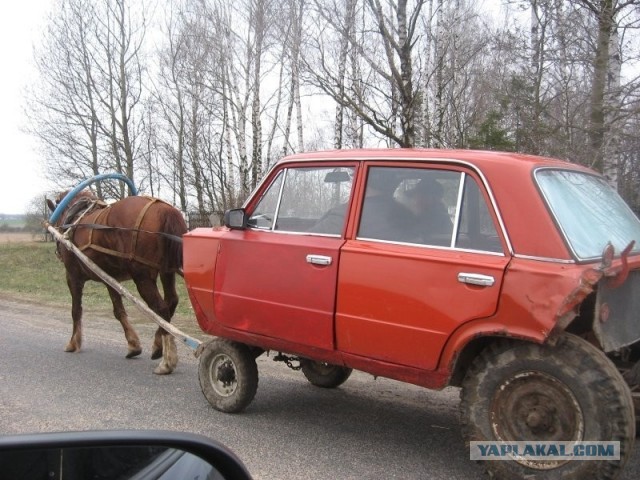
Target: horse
137,238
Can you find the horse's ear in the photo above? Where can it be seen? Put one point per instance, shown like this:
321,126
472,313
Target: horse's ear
51,205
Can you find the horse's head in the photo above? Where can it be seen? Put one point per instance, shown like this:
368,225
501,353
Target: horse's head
78,205
52,204
85,197
86,194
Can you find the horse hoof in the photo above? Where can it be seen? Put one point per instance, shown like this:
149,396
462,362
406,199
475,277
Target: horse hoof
156,354
162,370
134,353
70,348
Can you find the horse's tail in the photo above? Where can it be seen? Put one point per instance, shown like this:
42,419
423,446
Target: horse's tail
174,225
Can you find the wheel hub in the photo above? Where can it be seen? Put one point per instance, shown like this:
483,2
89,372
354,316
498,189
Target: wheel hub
226,374
222,375
534,406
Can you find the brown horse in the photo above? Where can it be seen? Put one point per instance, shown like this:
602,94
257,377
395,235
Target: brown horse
137,238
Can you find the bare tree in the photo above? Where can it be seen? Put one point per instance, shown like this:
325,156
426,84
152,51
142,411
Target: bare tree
169,96
91,71
294,26
605,86
453,72
346,34
62,106
234,81
386,101
120,39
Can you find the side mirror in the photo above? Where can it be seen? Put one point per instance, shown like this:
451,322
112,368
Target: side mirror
235,219
118,454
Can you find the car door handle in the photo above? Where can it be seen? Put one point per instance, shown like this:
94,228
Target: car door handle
319,259
476,279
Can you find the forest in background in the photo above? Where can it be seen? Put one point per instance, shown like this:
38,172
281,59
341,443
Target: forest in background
195,99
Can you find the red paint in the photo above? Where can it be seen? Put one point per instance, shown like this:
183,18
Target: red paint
393,310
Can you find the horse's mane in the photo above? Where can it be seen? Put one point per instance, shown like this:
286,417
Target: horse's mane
88,194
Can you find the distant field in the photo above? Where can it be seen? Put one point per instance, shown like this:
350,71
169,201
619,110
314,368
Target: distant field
13,221
19,237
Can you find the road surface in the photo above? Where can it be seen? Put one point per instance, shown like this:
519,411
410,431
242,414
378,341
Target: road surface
366,429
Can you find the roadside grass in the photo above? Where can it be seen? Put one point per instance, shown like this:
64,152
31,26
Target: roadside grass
32,272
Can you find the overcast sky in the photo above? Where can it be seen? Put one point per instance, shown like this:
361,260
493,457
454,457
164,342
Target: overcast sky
20,172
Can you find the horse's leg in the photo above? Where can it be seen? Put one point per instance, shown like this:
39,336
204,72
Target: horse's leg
76,286
156,347
148,290
168,280
133,341
169,356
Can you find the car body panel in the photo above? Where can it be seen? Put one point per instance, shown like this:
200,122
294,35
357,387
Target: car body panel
265,284
400,303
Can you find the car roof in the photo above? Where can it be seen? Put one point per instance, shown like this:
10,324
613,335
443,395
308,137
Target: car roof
480,158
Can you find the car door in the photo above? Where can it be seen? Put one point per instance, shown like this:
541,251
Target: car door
404,287
278,276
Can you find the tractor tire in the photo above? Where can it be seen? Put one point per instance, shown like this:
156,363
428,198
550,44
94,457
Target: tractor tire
566,390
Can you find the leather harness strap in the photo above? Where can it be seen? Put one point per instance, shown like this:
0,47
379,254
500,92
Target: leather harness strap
104,212
102,217
143,212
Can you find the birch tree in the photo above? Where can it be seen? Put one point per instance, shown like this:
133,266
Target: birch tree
386,100
605,85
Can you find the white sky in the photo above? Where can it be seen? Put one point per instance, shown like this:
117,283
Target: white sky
20,172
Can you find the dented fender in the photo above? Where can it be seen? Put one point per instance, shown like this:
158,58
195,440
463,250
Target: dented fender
540,299
617,289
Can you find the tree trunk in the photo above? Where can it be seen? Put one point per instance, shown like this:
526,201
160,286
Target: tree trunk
597,127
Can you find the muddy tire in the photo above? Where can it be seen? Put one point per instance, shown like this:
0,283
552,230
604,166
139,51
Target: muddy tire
228,375
323,374
562,392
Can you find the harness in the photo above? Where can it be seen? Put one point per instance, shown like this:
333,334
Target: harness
85,206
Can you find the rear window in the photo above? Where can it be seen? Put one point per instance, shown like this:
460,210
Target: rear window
589,212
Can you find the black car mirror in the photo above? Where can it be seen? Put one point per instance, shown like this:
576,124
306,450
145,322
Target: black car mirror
132,455
235,218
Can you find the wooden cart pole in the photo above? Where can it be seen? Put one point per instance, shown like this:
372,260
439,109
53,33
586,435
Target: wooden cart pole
166,326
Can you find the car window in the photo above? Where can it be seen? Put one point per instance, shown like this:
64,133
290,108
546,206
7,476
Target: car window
477,229
384,217
427,206
264,214
589,212
311,200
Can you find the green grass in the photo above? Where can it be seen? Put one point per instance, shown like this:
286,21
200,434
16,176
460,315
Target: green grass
32,271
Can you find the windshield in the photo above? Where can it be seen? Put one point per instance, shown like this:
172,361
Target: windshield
589,212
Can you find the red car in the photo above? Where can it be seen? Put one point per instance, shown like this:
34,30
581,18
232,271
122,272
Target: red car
514,277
